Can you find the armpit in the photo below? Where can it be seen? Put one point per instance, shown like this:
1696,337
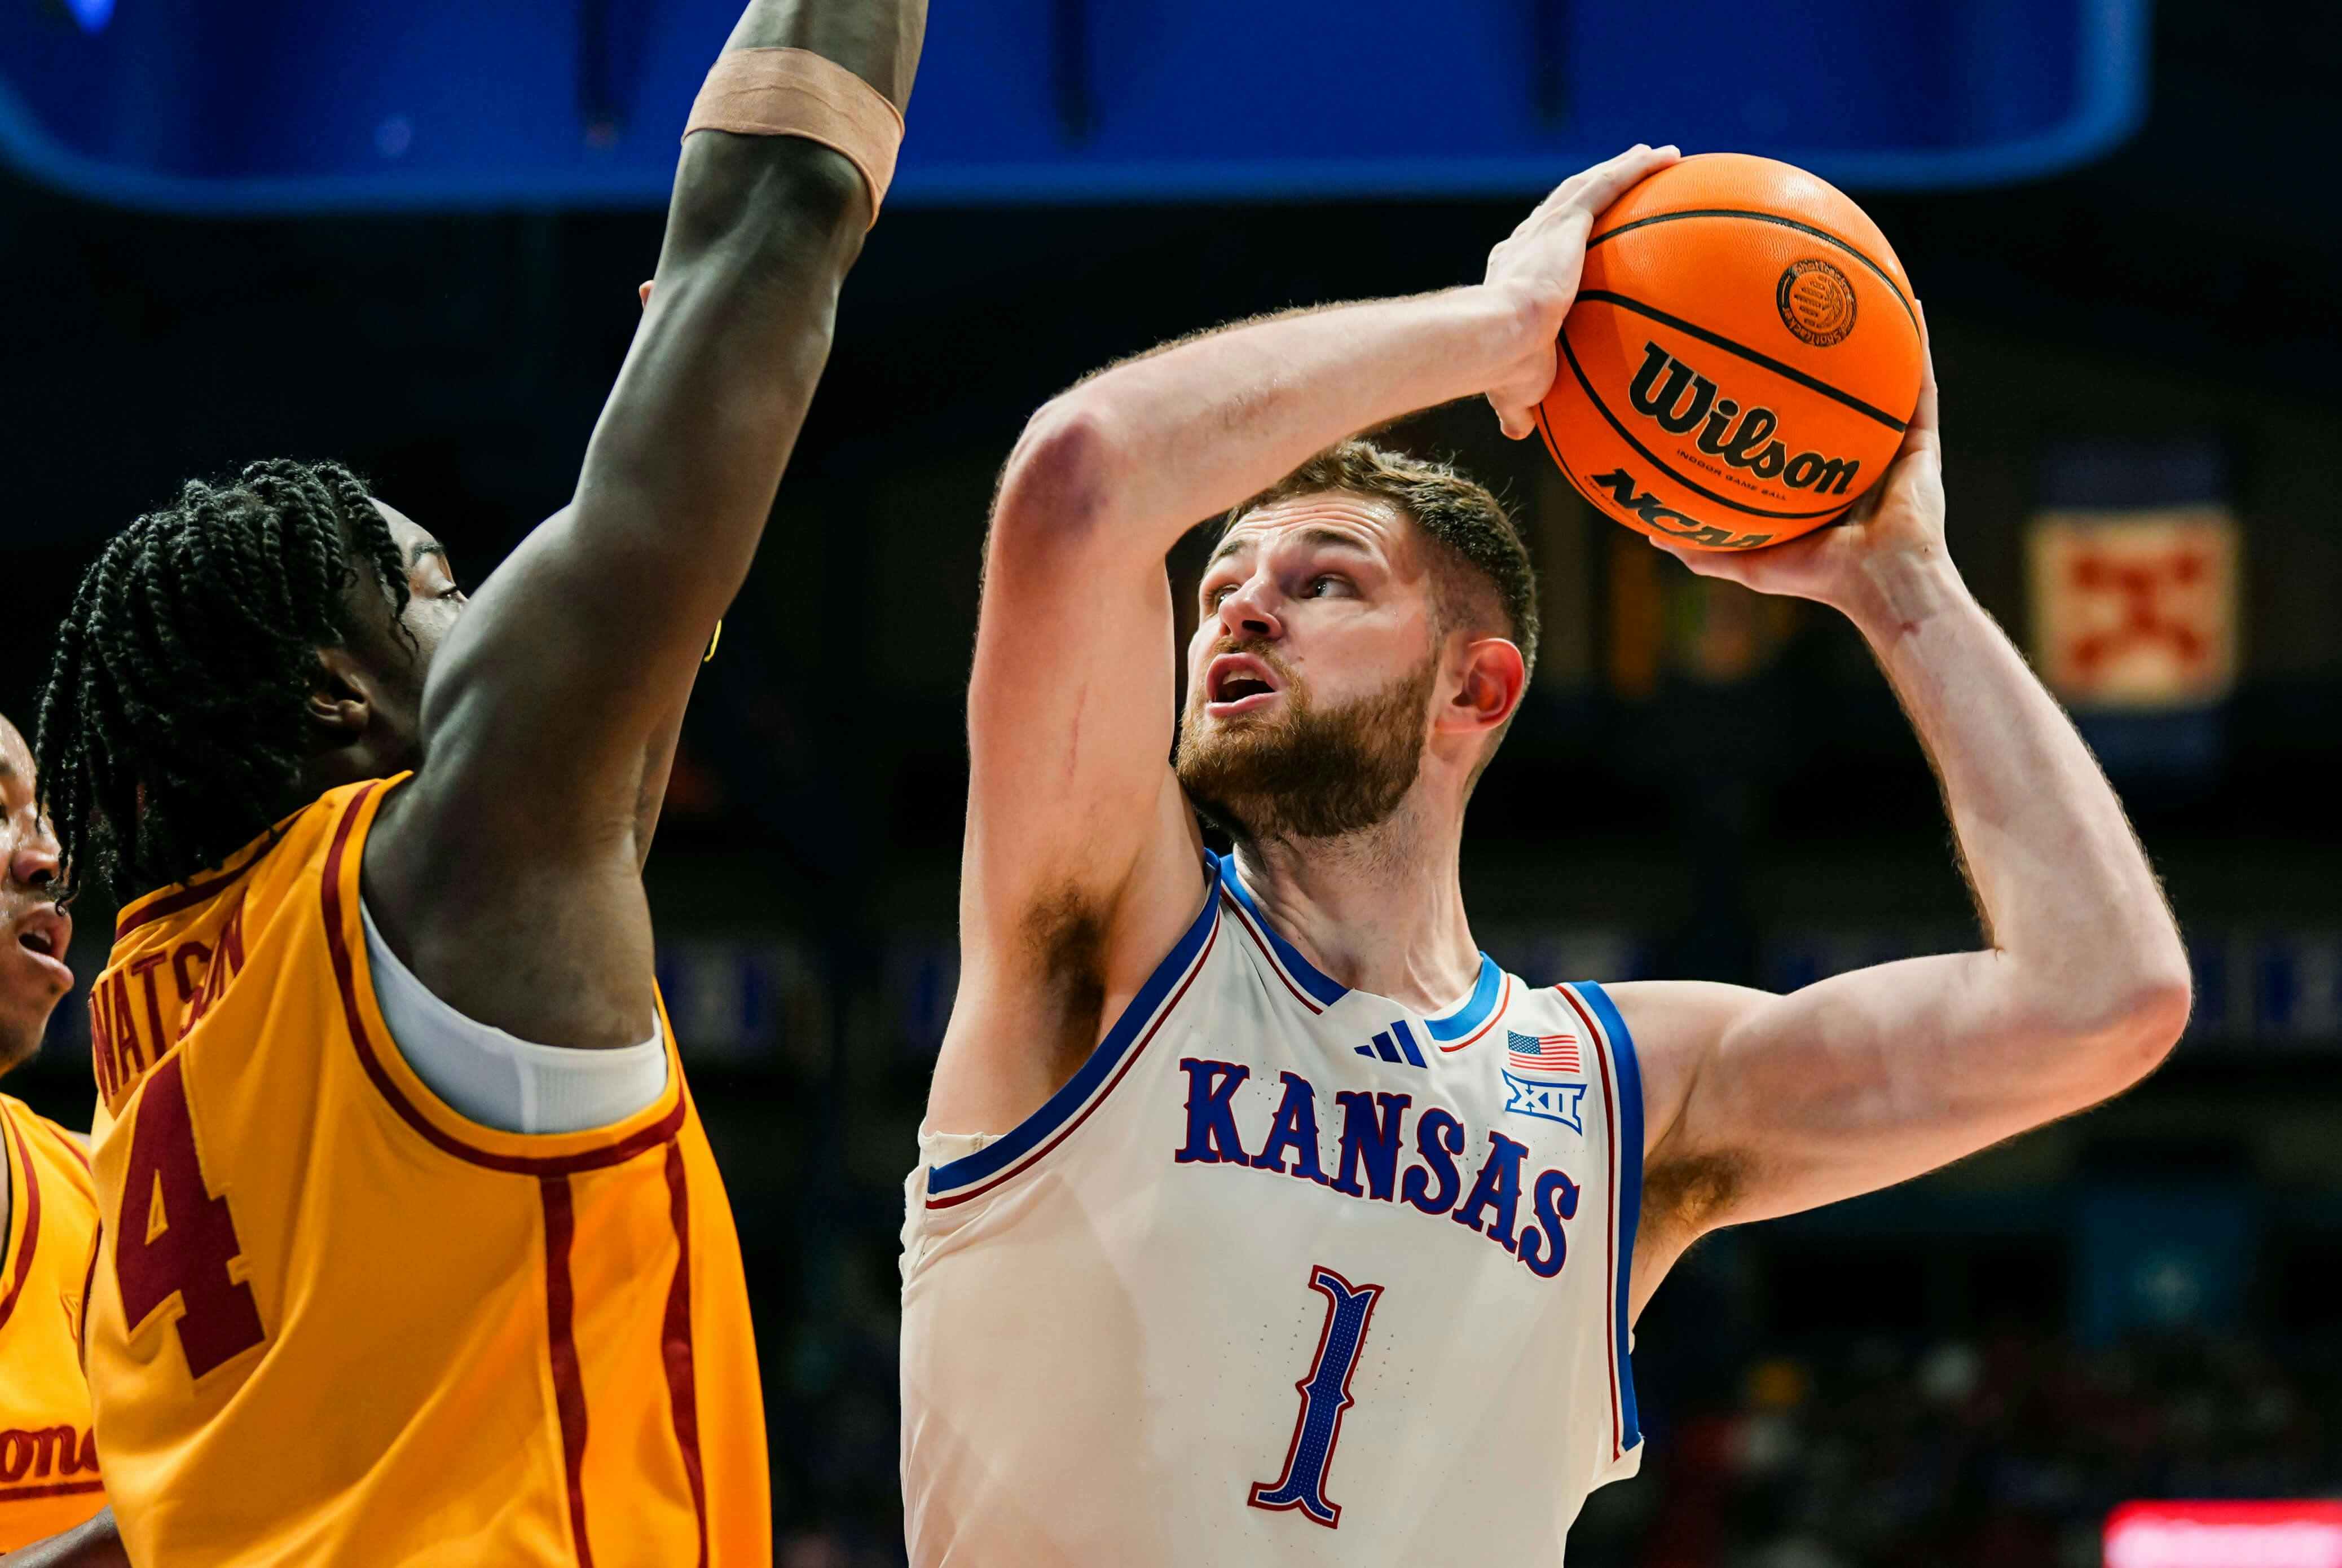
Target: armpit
1690,1194
1063,937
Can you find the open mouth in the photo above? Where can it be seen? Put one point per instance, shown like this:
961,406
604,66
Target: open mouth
1236,684
45,935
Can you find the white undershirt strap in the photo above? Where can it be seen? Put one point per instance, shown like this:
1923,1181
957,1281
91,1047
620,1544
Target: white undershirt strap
498,1079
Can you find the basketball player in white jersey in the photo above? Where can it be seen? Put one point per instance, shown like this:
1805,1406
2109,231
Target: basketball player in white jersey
1260,1219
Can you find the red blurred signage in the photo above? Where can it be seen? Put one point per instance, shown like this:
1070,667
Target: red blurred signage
2135,610
2225,1536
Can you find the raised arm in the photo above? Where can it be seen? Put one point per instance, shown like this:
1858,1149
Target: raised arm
552,701
1759,1105
1080,865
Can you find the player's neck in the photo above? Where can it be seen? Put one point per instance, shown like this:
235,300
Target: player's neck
1379,910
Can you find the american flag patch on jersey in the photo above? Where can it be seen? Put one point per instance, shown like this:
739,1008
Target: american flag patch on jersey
1543,1052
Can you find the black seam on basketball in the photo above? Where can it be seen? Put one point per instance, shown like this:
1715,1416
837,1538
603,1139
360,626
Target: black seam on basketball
1810,383
1592,497
1603,409
1553,449
1883,275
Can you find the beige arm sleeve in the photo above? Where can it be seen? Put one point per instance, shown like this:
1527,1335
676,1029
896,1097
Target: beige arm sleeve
798,93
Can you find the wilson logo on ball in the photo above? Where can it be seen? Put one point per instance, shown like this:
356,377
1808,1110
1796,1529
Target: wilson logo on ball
1681,400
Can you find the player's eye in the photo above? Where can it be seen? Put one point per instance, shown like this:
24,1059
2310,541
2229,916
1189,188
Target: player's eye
1327,587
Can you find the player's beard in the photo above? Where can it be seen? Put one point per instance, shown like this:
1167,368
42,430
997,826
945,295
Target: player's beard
1306,771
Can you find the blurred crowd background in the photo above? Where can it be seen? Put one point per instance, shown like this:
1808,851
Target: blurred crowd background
2141,420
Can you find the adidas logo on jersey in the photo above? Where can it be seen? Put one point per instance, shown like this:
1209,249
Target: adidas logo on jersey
1403,1051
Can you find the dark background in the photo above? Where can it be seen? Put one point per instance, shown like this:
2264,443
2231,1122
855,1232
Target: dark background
1700,785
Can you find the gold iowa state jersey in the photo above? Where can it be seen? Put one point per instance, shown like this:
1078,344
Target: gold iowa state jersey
333,1320
49,1477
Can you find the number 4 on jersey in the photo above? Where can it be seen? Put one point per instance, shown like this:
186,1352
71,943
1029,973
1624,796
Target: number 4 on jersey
175,1237
1325,1396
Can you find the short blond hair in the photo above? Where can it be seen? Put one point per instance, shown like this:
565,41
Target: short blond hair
1477,540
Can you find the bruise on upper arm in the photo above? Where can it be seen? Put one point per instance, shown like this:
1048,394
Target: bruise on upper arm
1687,1195
1062,937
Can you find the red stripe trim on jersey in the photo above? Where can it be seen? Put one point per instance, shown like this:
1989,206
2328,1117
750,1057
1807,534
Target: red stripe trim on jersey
344,976
1503,1000
561,1350
1260,938
48,1489
88,1287
31,1218
186,898
1129,1059
71,1144
1610,1231
675,1344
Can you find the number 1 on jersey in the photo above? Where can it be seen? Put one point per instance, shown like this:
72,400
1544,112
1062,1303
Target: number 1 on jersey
1325,1396
174,1236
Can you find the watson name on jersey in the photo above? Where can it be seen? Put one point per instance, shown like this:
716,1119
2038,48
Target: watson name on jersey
1286,1273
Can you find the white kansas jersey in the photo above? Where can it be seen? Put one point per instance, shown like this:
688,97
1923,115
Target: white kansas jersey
1286,1274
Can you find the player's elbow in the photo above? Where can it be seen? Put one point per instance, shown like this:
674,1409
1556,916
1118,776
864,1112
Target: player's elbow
2132,1021
1059,484
760,201
2153,1009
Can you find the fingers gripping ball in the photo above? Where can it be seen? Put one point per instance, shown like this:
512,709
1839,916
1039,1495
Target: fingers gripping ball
1741,360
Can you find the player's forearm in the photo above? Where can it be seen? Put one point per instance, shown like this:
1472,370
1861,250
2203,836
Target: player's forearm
877,40
1144,451
2088,950
745,207
724,201
761,232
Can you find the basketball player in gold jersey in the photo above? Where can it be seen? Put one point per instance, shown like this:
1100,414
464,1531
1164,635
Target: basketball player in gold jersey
415,1250
49,1480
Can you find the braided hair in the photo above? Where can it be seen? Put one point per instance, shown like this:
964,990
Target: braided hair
171,732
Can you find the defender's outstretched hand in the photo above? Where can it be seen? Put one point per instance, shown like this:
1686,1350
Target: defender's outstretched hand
1859,562
1539,265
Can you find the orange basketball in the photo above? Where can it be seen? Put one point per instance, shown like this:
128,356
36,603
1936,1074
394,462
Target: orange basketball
1742,358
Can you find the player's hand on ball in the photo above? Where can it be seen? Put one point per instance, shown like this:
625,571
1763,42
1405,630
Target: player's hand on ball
1538,270
1848,563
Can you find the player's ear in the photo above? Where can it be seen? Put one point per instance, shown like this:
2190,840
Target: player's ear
1494,675
340,705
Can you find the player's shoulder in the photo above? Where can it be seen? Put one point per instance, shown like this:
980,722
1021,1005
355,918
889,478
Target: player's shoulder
271,858
1662,1011
271,865
1675,1026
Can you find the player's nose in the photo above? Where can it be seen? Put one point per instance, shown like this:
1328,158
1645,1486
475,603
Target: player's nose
34,859
1251,611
